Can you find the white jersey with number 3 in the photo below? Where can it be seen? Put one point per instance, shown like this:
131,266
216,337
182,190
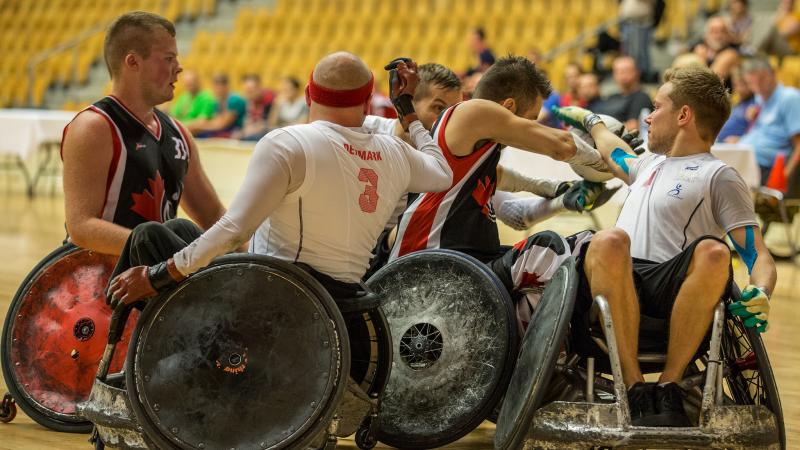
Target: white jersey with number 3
351,186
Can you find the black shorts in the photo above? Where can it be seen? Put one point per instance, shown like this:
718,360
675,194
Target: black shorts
657,286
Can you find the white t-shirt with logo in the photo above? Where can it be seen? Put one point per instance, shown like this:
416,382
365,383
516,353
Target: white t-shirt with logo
674,201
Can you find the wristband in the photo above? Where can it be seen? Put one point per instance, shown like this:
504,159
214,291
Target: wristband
160,277
403,105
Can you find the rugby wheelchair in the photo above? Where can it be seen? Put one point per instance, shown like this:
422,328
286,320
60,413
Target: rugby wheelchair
557,399
250,352
54,335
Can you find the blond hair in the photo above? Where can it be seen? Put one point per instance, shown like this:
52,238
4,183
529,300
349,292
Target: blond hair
704,92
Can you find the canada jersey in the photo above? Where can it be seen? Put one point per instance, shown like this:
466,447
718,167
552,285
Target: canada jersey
462,217
145,177
351,185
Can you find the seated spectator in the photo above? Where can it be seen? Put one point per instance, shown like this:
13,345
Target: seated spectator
631,104
784,36
589,91
290,105
718,49
572,73
483,54
777,127
742,115
193,103
229,115
739,21
259,103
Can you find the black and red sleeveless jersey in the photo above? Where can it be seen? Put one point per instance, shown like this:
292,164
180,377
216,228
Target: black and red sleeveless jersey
462,217
145,177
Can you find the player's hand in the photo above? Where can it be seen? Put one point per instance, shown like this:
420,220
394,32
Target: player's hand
403,81
753,308
129,287
583,195
576,116
634,141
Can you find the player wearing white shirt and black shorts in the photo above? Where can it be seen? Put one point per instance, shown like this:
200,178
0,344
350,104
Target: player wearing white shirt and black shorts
666,258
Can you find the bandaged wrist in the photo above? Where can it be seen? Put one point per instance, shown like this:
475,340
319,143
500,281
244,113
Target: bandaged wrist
586,155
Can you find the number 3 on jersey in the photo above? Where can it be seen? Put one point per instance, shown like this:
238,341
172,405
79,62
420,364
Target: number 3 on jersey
368,200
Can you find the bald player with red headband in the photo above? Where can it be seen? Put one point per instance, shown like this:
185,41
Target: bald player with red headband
327,188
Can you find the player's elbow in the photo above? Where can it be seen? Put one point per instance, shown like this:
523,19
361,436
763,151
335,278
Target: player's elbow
77,234
443,181
565,149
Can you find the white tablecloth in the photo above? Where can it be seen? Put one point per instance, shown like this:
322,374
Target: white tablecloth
742,158
23,131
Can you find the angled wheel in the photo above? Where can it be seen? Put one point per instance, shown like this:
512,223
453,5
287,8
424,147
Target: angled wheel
749,380
54,335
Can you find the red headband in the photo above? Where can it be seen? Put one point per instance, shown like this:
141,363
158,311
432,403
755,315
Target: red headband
336,98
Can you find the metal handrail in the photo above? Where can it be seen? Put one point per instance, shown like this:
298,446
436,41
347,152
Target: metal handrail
43,56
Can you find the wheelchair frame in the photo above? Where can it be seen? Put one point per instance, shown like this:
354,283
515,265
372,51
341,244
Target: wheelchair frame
570,423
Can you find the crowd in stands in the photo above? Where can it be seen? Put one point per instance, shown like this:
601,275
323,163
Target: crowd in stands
766,114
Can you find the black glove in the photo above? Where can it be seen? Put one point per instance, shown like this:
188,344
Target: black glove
634,141
403,81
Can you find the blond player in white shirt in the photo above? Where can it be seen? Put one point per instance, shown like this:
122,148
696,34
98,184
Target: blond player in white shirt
327,187
666,251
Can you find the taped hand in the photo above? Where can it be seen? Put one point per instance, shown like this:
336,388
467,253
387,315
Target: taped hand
753,308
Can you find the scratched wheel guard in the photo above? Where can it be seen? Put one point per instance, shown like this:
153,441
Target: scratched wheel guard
454,337
55,333
248,353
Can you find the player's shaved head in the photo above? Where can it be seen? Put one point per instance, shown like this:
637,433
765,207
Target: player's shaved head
341,71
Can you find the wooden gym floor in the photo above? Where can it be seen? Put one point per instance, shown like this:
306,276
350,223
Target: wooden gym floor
30,229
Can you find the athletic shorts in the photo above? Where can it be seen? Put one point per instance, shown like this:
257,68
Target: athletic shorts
657,286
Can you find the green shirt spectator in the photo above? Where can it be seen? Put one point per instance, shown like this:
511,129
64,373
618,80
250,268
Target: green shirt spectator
189,106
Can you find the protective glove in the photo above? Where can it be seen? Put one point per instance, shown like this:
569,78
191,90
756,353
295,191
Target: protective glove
587,195
578,117
634,141
403,81
753,308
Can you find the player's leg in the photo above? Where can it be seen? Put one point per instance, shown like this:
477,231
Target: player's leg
707,279
608,268
152,242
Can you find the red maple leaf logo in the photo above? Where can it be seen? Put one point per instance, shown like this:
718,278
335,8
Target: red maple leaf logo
530,280
483,194
148,203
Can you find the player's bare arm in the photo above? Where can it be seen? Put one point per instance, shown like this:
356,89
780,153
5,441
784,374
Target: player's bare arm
87,154
478,120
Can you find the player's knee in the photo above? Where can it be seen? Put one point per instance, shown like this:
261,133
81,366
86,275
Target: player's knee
610,246
145,232
551,240
712,257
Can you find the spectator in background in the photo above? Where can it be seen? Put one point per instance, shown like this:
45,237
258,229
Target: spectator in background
718,49
777,127
229,115
290,106
483,54
470,83
739,21
589,91
636,31
259,103
743,114
193,103
784,38
631,104
572,73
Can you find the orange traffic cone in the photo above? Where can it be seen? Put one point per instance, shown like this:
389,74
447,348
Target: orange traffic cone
777,179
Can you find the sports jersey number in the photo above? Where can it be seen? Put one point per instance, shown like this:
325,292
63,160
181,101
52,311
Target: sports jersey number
368,201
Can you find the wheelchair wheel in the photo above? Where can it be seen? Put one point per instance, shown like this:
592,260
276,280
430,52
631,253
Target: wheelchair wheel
54,335
370,351
250,352
748,378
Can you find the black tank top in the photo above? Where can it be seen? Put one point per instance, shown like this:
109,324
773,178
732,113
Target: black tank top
461,218
145,177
